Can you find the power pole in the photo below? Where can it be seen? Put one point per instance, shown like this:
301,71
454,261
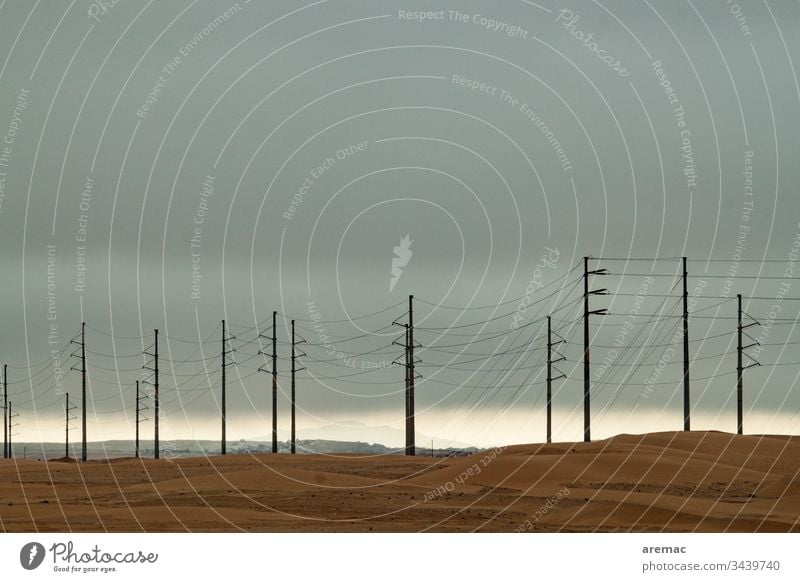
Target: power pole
66,428
739,379
274,372
83,390
156,403
224,357
586,402
225,351
587,429
292,446
5,411
550,361
154,384
295,354
139,419
408,384
67,417
686,400
410,375
274,382
411,446
82,345
739,367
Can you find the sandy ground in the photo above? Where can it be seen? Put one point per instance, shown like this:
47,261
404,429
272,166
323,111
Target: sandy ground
699,481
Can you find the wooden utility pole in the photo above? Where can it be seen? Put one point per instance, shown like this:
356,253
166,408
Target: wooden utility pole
587,429
138,419
5,411
84,454
224,436
687,407
292,445
295,354
66,428
274,373
739,370
156,402
408,382
587,434
274,381
10,448
411,446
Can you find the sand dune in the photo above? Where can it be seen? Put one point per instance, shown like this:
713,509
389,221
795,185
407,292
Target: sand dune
698,481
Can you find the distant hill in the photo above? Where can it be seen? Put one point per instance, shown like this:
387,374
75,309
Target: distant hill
191,448
354,431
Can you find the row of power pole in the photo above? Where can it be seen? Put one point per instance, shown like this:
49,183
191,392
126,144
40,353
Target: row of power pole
409,362
273,371
153,367
686,385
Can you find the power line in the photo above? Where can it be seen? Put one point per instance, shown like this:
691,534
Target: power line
704,276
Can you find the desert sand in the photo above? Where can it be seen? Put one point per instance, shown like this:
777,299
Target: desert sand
698,481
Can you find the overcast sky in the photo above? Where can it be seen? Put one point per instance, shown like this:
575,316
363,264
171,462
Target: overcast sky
194,161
